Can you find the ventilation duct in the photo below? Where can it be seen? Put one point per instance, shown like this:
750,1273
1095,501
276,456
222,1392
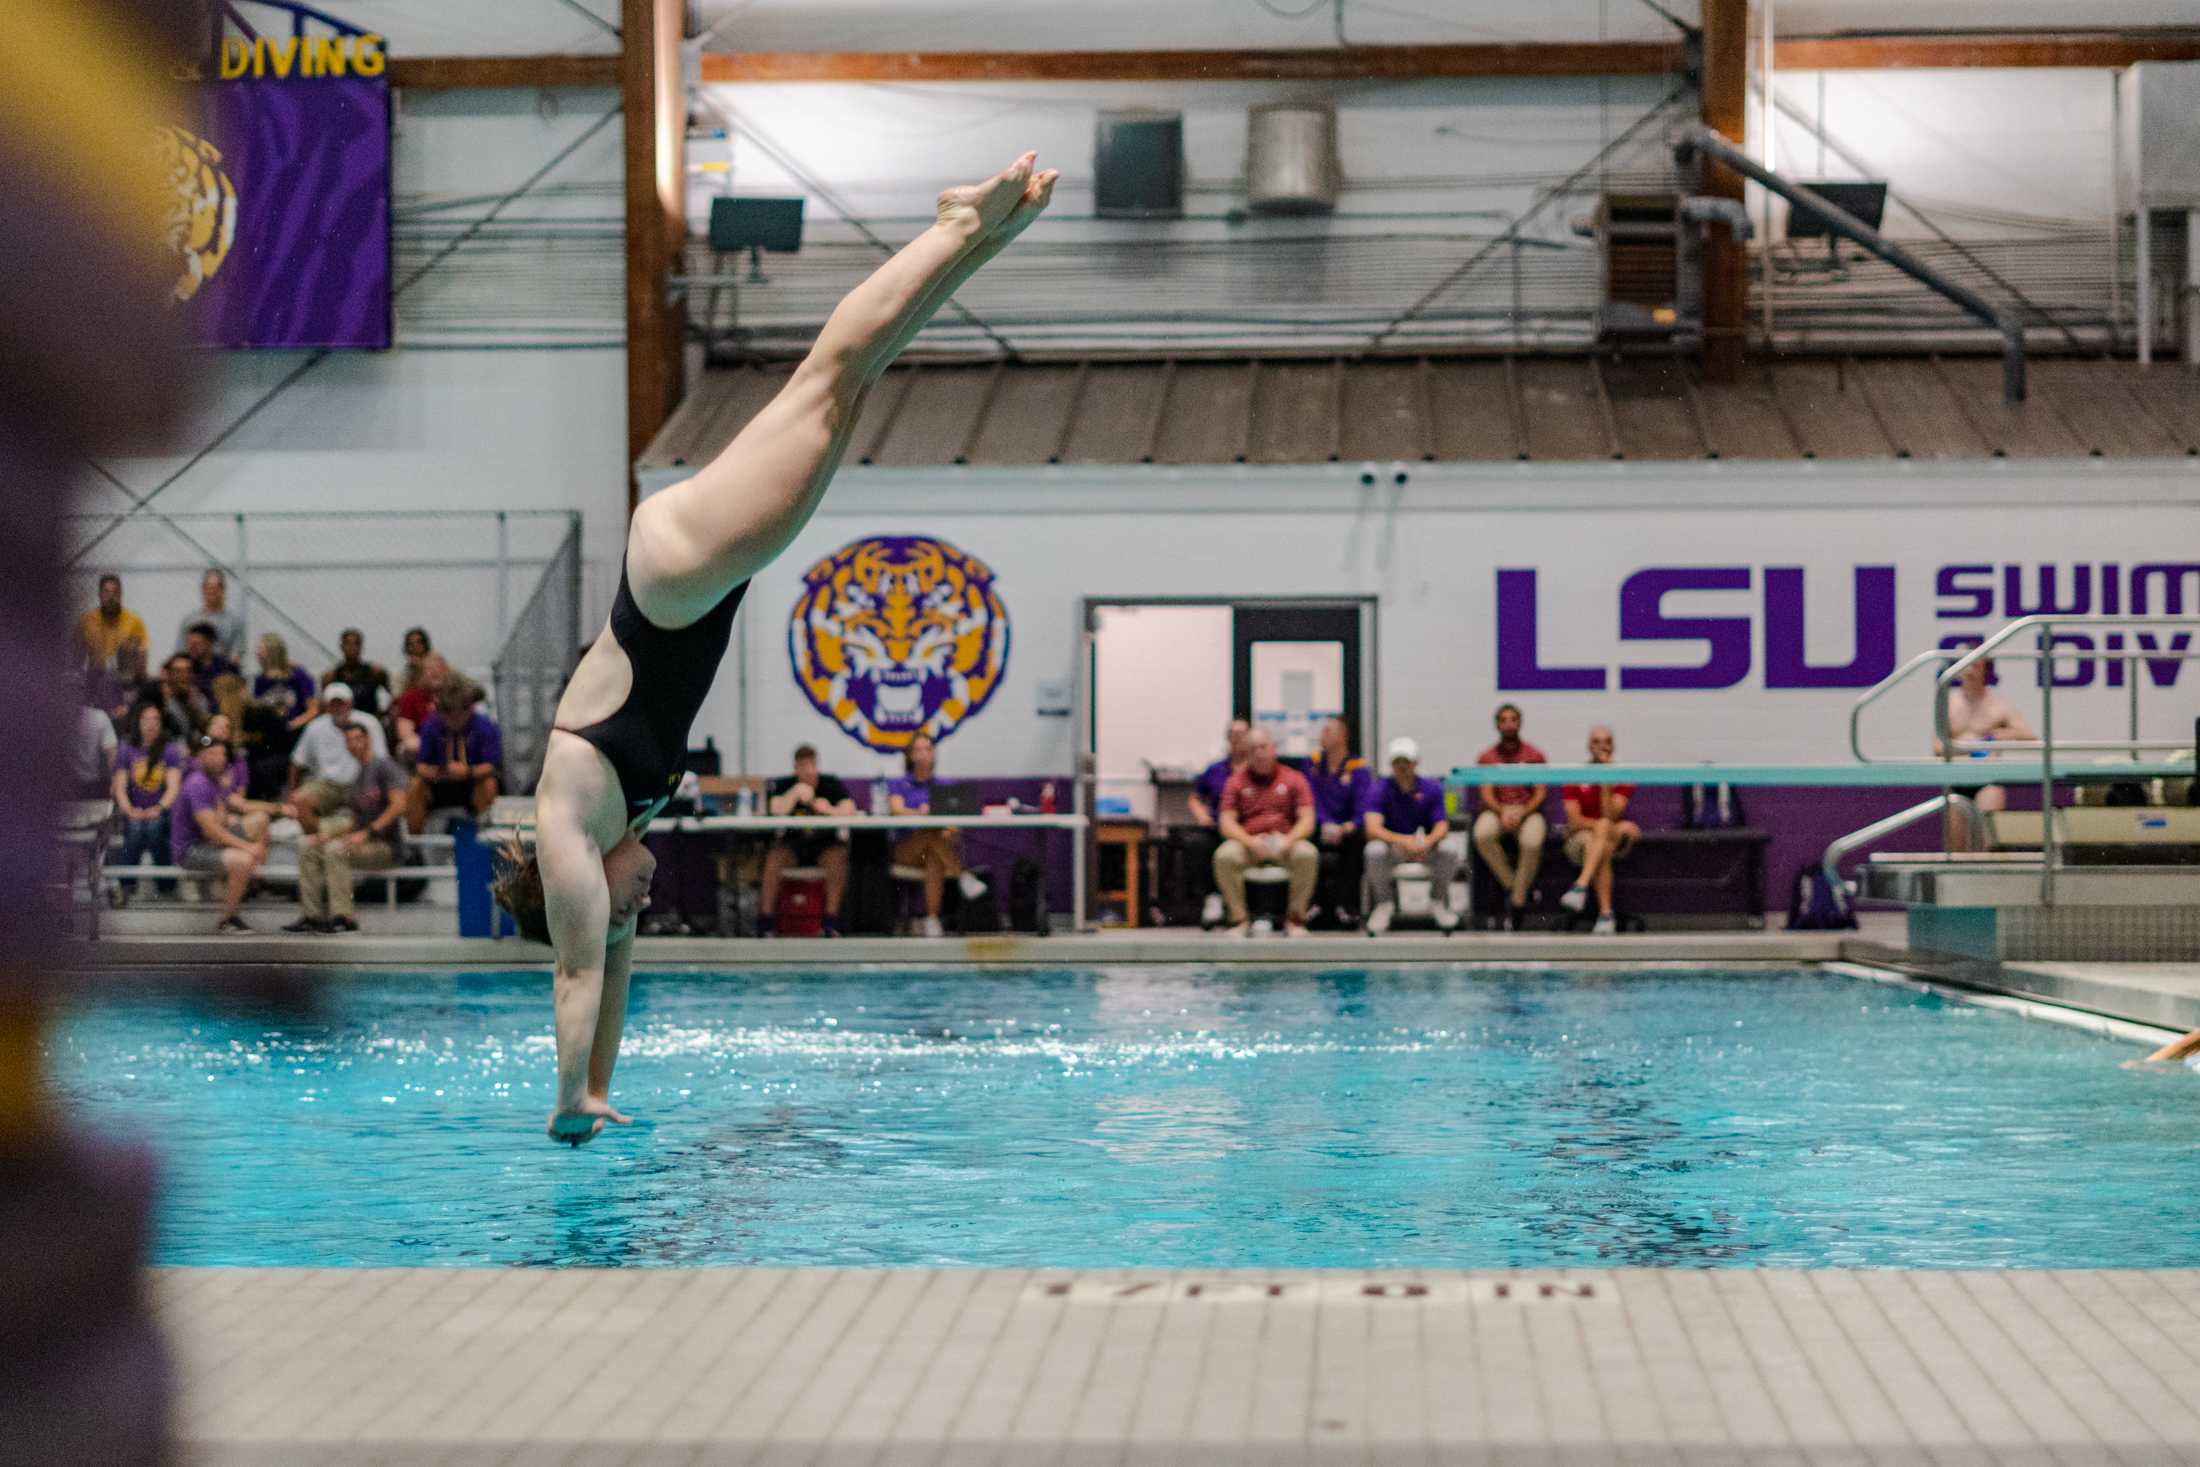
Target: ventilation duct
1291,160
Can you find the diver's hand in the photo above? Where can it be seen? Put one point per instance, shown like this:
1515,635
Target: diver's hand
583,1120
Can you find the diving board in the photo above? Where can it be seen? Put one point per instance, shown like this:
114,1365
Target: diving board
1894,773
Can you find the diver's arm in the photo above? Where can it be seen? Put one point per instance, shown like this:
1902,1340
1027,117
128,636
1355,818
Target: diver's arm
577,904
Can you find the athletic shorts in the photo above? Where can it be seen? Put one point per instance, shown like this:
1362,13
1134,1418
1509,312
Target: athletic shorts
205,856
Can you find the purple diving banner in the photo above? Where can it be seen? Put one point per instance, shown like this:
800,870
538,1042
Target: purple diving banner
288,205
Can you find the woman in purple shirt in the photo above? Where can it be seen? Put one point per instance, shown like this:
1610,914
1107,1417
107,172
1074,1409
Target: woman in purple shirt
148,772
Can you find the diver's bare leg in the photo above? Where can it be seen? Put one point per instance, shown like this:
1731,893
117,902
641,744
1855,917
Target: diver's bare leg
692,543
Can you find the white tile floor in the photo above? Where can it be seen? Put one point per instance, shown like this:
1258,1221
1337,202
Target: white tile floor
649,1368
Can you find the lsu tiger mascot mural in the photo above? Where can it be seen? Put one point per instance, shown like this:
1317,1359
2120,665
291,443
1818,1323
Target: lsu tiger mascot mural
897,634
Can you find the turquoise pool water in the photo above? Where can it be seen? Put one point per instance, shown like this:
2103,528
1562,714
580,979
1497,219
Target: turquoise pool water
1163,1117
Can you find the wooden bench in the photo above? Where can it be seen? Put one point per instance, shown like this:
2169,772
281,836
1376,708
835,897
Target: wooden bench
1687,878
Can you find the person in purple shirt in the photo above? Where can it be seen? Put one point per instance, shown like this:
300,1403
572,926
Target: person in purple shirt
1405,821
205,837
461,759
937,853
1340,781
148,777
1197,846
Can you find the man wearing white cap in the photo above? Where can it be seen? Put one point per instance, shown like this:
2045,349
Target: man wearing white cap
322,769
1406,823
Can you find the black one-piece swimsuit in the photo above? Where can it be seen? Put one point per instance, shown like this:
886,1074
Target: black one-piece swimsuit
646,738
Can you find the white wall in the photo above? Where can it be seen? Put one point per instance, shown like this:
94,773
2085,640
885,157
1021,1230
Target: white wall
1430,555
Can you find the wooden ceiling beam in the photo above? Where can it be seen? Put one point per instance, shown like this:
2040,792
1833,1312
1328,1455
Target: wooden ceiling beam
2106,49
453,73
1410,63
1358,63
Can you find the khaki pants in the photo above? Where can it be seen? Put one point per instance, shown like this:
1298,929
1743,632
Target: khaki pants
1233,858
1383,862
1489,839
325,874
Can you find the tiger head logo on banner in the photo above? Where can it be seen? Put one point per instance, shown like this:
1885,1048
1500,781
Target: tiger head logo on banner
202,208
896,635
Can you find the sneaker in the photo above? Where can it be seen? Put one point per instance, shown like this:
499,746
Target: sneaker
972,887
932,927
302,927
232,924
1575,899
830,927
1446,919
1513,917
767,925
1378,921
1294,929
1605,927
1242,929
342,924
1210,912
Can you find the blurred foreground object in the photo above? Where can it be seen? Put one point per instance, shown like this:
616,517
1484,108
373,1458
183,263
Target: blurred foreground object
88,365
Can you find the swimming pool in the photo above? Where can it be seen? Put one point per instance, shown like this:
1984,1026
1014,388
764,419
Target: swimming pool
1157,1117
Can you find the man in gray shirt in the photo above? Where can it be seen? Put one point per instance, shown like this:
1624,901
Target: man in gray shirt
214,611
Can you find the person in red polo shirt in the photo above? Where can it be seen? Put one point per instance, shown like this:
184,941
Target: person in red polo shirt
1512,812
1597,832
1267,813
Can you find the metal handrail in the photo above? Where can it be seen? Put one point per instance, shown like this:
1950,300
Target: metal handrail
1856,840
2042,626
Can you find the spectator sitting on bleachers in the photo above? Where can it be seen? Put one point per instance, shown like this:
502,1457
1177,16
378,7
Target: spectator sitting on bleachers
415,648
1597,833
1200,843
461,759
282,705
92,750
369,681
416,704
1977,712
205,836
1514,812
1266,815
209,664
322,766
186,708
126,685
938,853
235,799
103,629
283,687
148,775
1340,781
806,792
1406,824
367,836
214,613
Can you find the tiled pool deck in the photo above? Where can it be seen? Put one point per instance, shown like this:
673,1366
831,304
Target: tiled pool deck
649,1368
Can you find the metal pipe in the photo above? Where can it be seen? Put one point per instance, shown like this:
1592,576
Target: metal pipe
504,577
2143,306
1856,840
2115,208
2047,764
1764,244
1699,138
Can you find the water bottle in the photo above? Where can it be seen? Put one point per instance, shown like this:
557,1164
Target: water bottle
878,795
1046,798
